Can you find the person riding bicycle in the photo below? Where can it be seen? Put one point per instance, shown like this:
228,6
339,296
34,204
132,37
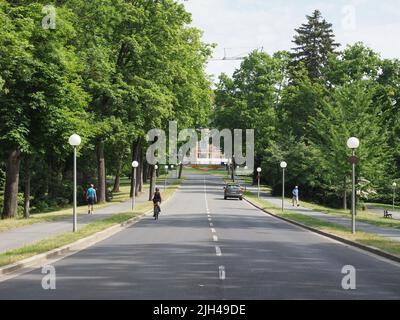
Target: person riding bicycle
157,199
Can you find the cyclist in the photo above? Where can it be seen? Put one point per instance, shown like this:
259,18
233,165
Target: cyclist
91,198
157,200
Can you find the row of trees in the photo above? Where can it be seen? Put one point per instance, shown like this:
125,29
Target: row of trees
110,70
305,104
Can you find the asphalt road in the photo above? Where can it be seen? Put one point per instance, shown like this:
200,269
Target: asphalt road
206,248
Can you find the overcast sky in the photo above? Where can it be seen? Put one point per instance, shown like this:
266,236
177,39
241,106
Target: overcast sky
244,25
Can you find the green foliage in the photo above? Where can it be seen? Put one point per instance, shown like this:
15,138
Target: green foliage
324,97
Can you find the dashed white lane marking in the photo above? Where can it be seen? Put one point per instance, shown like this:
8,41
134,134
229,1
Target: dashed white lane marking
213,230
209,219
222,273
211,224
218,251
215,238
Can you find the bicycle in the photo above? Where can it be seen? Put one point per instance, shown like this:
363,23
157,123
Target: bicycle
156,211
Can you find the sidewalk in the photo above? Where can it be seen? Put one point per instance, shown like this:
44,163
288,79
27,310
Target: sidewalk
379,211
20,237
389,233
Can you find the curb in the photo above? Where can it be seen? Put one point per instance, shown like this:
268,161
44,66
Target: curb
358,245
26,265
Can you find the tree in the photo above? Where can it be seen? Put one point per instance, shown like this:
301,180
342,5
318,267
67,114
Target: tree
41,98
349,111
314,42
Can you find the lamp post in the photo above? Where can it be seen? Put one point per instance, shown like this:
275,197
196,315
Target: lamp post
155,176
283,166
75,141
353,144
135,164
394,194
166,176
258,178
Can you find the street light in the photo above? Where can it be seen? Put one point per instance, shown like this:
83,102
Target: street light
155,175
75,141
166,176
258,177
353,144
135,164
394,194
283,166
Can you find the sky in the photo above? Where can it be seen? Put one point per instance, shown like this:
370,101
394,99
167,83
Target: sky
241,26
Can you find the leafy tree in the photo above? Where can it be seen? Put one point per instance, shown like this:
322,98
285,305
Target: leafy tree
349,111
314,42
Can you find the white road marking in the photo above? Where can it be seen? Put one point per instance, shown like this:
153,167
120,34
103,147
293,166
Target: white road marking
213,230
215,238
211,225
209,219
222,273
218,251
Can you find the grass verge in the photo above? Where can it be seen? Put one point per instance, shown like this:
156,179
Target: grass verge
369,239
66,238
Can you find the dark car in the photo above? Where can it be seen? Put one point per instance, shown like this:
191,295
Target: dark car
233,191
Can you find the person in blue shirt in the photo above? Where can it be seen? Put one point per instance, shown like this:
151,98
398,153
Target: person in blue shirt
91,198
295,193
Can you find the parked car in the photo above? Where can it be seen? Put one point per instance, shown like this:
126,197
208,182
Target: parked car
233,190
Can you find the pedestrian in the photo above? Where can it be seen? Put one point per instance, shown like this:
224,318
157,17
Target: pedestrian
91,198
295,198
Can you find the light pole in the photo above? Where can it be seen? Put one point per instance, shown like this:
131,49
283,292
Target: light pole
258,177
172,168
283,166
166,176
75,141
353,144
394,194
155,175
135,164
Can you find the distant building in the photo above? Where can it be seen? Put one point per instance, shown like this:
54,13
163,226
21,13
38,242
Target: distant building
206,154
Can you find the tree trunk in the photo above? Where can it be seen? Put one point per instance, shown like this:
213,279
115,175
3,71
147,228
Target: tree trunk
10,208
141,166
180,171
345,194
145,172
101,173
27,186
151,189
135,153
117,182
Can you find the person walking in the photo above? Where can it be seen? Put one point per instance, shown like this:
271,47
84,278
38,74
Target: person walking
91,198
295,198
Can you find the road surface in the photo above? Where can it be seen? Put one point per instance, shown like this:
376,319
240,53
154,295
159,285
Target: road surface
206,248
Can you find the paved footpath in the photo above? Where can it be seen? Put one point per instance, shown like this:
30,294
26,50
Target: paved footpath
19,237
389,233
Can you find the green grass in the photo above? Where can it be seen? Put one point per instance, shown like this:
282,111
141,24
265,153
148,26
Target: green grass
65,213
63,239
365,238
